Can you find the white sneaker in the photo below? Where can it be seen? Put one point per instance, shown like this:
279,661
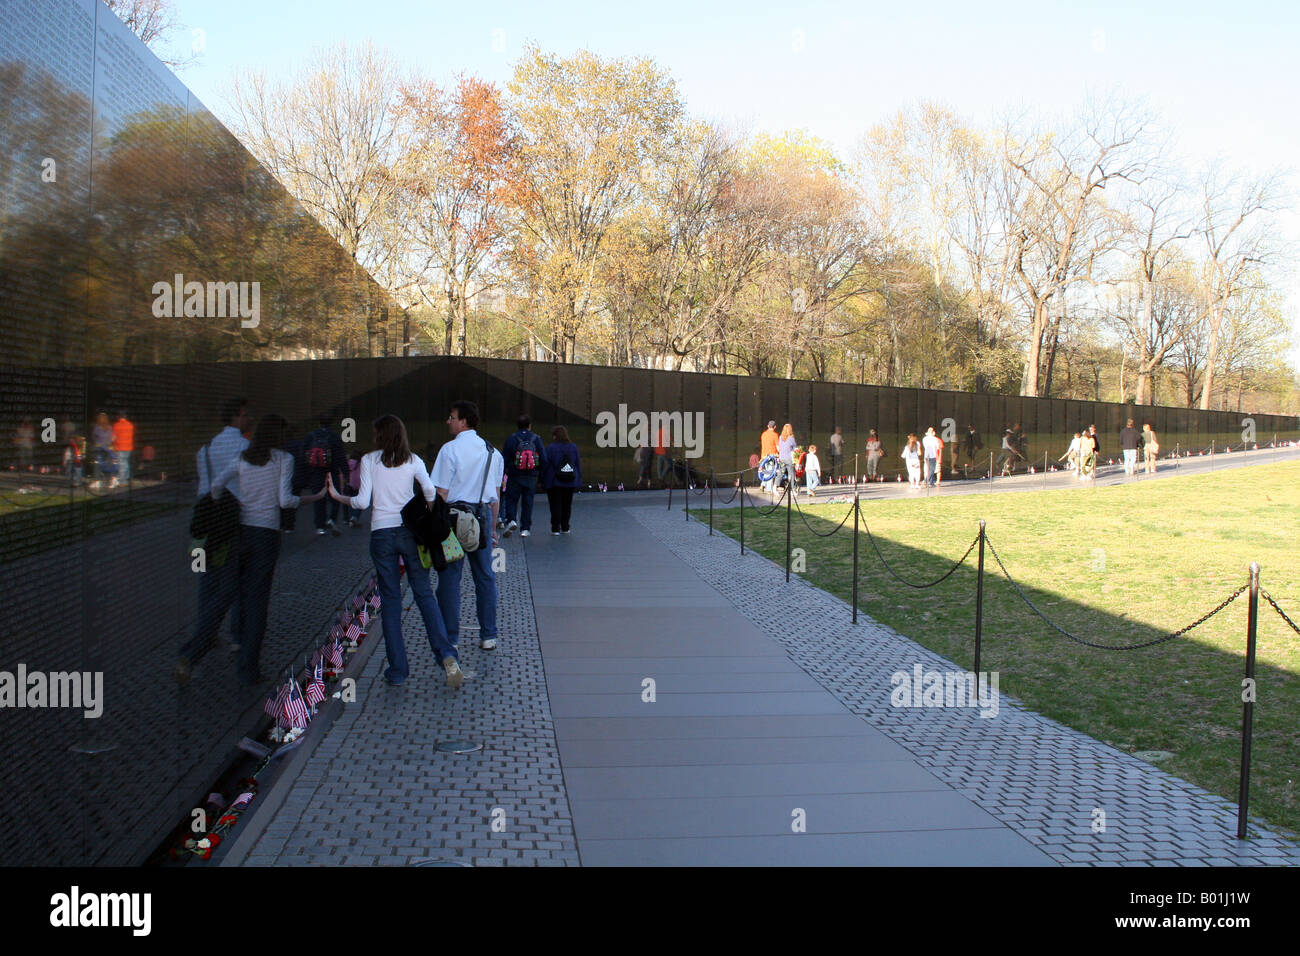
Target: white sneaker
524,534
488,644
455,676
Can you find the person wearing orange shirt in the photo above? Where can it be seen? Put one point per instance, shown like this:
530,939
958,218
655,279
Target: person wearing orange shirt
123,446
767,445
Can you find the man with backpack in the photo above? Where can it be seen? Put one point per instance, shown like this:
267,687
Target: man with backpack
467,474
323,455
523,453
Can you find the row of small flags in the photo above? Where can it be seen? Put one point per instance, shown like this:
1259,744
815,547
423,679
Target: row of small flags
292,706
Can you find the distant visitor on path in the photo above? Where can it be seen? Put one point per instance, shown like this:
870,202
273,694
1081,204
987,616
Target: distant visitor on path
768,445
1129,440
523,453
911,455
1150,449
875,451
785,451
561,477
812,470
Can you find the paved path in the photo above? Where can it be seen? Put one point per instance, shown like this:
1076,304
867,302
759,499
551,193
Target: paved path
757,727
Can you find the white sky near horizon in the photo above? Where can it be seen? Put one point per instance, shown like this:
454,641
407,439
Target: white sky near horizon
1222,81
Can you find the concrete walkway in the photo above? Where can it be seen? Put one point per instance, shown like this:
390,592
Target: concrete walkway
738,757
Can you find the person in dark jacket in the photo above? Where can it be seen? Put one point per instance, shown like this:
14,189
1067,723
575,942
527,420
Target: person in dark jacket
325,458
523,452
561,477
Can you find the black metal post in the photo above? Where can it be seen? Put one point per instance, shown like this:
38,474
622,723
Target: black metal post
979,603
789,507
669,483
742,518
686,491
1248,703
855,558
710,501
855,473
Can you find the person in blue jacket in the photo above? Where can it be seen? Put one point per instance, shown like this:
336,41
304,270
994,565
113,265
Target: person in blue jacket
561,477
523,454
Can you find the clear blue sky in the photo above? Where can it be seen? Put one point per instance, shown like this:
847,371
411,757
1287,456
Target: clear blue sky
1223,77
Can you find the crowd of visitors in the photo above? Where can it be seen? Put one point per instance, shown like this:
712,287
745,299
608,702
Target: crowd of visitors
422,518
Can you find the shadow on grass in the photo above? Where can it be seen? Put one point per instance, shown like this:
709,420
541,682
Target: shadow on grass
1182,696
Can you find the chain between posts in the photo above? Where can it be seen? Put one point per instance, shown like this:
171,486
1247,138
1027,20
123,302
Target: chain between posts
819,534
871,538
1290,623
1112,647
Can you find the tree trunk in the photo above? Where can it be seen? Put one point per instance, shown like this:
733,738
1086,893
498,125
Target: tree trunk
1211,356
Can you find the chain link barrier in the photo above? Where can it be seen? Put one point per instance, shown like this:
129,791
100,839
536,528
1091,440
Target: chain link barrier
1111,647
1269,598
799,508
919,587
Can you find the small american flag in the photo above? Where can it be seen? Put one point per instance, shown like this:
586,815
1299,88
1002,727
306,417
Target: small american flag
295,709
337,633
336,652
316,685
364,617
357,602
354,631
374,601
273,701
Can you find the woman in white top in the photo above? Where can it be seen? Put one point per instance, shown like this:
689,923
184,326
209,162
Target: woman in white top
912,455
265,474
388,476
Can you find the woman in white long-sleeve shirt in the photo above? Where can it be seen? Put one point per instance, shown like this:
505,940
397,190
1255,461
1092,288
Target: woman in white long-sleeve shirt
265,475
388,476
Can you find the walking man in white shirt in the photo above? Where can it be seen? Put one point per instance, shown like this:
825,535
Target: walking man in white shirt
220,579
930,443
468,472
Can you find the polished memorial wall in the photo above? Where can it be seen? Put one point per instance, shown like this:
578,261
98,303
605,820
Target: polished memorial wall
115,181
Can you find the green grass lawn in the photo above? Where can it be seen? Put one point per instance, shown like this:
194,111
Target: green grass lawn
1116,566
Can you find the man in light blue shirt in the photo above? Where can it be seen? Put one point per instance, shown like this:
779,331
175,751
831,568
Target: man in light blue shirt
469,470
219,582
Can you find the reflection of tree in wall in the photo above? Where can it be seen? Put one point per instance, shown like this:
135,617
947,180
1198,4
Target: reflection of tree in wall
42,224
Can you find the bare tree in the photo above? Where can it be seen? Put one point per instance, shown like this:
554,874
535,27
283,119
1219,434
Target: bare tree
1064,229
1236,230
154,22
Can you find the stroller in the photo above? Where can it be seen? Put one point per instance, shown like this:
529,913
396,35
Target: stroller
768,469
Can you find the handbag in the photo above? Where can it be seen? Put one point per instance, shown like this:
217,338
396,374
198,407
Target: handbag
451,549
467,520
214,520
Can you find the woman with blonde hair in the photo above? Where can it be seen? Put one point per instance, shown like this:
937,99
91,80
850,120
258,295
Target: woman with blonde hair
785,447
1150,449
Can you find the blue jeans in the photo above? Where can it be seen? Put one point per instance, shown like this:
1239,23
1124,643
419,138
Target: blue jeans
218,589
931,471
519,491
386,545
259,550
813,480
123,466
485,592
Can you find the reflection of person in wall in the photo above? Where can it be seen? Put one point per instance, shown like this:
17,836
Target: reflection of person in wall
837,453
643,457
101,448
662,465
265,475
220,578
325,458
25,443
123,446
